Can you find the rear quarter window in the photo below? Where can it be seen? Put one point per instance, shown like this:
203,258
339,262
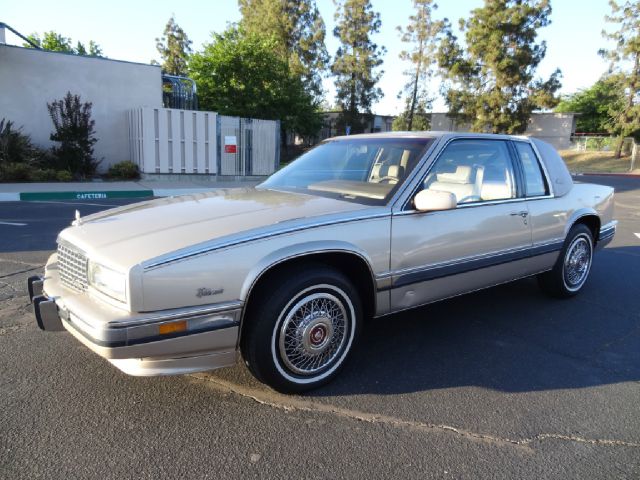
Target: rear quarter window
535,184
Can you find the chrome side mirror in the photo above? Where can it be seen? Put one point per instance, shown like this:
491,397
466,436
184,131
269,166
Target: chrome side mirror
432,200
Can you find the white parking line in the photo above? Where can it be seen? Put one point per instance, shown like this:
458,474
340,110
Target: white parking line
637,235
14,224
624,205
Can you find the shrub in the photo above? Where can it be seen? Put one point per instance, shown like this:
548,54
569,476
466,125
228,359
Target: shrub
75,131
43,175
64,176
15,146
126,170
15,172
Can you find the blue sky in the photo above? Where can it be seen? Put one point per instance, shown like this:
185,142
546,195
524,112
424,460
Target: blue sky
126,31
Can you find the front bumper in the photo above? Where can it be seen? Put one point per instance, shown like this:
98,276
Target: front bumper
171,342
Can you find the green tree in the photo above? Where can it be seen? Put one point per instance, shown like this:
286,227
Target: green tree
422,34
357,60
625,64
594,105
56,42
174,48
94,49
420,121
299,32
241,74
492,85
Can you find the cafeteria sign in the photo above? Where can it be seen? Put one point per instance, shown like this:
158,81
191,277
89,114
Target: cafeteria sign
230,144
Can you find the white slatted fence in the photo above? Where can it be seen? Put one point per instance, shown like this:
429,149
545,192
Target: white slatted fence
164,140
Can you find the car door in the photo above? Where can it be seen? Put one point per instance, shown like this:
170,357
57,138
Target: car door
481,242
546,217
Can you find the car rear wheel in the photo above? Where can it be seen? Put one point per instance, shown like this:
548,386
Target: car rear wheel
298,336
572,268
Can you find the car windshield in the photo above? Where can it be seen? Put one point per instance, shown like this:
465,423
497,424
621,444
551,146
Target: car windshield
363,170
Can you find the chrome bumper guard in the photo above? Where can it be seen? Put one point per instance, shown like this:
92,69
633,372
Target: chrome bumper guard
45,309
34,286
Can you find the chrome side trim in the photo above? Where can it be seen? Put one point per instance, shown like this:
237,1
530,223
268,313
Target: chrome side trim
182,313
393,279
384,282
479,204
459,294
146,329
221,244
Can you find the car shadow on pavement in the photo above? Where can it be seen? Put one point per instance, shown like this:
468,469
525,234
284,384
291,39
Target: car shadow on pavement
510,338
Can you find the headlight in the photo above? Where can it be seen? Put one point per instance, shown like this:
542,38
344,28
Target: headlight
108,281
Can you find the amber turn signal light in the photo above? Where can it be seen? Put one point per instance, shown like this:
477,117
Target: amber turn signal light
173,327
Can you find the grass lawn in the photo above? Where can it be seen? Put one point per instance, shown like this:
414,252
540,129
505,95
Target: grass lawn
600,162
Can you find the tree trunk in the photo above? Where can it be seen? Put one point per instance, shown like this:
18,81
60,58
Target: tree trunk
414,96
632,92
619,146
635,156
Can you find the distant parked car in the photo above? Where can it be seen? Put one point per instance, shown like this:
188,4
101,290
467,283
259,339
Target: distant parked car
288,272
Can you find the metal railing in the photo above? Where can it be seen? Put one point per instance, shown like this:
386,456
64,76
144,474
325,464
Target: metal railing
179,92
15,32
599,143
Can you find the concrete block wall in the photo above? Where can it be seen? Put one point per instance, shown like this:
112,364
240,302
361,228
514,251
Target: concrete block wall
30,78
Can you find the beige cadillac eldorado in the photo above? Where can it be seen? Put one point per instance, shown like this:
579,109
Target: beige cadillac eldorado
287,273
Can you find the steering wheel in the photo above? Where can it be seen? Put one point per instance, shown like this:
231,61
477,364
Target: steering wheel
388,180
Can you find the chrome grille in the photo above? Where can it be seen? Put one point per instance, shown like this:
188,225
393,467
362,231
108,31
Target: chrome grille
72,265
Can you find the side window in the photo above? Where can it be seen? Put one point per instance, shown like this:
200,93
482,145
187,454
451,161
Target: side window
534,180
474,171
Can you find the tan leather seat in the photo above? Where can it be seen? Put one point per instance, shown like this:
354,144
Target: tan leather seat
495,191
461,175
388,173
459,183
497,184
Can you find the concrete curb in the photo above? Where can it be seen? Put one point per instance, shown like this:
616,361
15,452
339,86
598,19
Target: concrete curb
9,197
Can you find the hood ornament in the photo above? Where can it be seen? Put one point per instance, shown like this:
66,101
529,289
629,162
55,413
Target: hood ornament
78,221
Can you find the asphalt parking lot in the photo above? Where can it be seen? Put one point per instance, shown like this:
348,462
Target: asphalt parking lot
504,383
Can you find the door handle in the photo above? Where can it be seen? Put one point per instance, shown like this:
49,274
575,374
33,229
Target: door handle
522,214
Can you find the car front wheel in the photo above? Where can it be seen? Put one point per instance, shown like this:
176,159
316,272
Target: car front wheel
299,336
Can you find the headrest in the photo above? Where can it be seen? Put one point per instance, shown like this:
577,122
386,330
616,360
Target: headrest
461,175
395,171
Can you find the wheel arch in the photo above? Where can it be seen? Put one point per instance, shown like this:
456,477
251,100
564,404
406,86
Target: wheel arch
343,256
588,217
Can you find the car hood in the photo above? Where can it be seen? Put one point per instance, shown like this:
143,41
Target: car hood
126,236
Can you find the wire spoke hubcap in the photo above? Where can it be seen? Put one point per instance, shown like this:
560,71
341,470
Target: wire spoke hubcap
577,262
313,333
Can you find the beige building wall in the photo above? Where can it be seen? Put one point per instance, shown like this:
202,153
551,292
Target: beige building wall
30,78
